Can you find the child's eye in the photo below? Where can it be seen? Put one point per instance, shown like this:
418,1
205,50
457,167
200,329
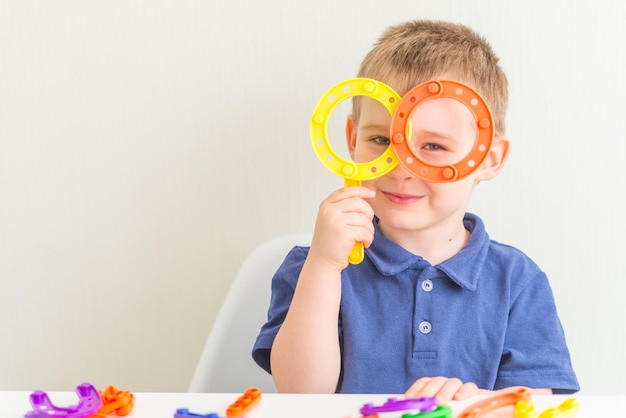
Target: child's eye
432,147
381,140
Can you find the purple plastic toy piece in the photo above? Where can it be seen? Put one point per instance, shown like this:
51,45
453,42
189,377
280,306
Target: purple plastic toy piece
90,403
424,404
184,413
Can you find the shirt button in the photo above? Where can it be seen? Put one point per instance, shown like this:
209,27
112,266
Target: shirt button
427,285
425,327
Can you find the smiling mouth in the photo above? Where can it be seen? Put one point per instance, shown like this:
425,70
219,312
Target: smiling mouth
401,199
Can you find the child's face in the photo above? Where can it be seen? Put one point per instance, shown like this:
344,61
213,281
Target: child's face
442,132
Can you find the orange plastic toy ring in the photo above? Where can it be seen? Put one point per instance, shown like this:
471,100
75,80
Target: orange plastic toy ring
505,398
437,89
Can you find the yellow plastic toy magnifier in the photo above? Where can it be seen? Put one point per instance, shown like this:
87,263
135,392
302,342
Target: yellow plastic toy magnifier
353,173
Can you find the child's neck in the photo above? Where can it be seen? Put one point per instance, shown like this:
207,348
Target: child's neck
434,245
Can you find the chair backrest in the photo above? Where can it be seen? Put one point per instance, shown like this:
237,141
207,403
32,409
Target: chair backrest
226,364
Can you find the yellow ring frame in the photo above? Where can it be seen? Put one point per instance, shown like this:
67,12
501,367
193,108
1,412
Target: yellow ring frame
319,132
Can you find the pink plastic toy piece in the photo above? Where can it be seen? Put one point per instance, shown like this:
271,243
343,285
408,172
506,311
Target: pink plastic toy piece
90,402
423,404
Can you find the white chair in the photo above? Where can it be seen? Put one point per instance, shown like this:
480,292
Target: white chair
226,364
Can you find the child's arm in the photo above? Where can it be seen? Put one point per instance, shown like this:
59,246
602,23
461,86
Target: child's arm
305,355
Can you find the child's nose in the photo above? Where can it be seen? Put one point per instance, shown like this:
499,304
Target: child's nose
401,173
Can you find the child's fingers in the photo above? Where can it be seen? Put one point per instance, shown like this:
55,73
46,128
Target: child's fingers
345,207
443,388
344,218
416,387
467,390
349,192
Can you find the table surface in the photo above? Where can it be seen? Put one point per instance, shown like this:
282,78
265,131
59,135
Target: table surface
271,405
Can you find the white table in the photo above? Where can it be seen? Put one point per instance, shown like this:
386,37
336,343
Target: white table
163,405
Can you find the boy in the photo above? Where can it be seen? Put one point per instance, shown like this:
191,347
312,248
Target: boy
436,308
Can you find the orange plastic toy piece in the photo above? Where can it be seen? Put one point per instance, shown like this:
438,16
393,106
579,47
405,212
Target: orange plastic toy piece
115,401
448,89
244,403
506,398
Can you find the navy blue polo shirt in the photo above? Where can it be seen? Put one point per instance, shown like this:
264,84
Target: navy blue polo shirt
487,315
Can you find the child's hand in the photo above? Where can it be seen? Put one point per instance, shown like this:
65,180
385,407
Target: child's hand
444,389
343,219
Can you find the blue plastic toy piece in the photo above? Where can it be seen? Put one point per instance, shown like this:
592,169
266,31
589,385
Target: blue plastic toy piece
90,403
184,413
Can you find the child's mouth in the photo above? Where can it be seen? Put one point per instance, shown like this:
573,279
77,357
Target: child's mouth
401,199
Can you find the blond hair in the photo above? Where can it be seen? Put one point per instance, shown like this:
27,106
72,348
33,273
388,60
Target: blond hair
413,52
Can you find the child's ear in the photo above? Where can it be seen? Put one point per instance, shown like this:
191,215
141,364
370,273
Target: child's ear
351,135
495,159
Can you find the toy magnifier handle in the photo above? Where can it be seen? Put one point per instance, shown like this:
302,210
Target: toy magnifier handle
358,251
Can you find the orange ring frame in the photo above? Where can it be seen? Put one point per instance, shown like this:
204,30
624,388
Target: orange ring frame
439,89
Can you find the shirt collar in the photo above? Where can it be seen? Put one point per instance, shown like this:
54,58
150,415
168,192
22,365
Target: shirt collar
463,268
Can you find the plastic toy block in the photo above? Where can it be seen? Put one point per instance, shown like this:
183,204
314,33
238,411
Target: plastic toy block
116,401
244,403
423,404
567,409
184,413
442,411
90,402
504,398
526,409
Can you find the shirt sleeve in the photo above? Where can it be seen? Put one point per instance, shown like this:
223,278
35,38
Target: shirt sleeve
283,287
535,352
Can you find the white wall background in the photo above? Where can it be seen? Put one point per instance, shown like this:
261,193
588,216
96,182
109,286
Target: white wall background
147,146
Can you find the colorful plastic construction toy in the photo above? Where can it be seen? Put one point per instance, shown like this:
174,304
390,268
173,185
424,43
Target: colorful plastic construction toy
505,398
399,150
115,401
184,413
424,404
244,403
90,402
442,411
526,409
